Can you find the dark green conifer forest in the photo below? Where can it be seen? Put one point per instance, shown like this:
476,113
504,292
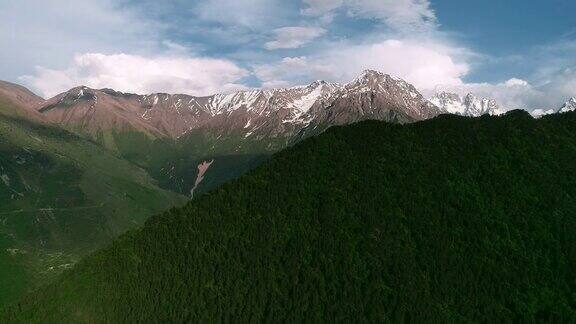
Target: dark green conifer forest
448,220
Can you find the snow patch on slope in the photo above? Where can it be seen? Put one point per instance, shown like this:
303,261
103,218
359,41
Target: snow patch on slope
202,168
537,113
305,103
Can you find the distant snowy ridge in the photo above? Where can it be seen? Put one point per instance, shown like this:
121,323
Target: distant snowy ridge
469,105
570,105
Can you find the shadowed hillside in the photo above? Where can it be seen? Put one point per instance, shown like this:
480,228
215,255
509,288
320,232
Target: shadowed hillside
452,219
62,197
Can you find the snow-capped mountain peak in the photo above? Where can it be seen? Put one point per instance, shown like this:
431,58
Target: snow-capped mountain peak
378,82
371,78
253,113
480,106
313,93
469,105
570,105
537,113
368,75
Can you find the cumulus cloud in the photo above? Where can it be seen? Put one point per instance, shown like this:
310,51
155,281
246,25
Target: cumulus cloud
549,85
412,48
516,82
294,37
424,65
417,51
551,78
171,46
142,75
520,94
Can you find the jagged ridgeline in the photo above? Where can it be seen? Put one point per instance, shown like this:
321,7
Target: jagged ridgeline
170,135
447,220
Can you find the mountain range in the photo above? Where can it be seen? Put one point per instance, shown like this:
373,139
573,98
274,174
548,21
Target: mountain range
470,105
277,113
474,106
236,130
79,169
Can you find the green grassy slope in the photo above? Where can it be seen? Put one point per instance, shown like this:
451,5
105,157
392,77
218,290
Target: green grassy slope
60,198
173,163
448,220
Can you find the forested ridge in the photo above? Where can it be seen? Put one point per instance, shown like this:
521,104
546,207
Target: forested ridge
448,220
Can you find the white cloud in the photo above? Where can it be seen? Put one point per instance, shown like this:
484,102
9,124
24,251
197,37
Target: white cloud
291,71
424,65
169,34
551,75
294,37
559,87
436,65
137,74
49,32
514,82
401,15
549,78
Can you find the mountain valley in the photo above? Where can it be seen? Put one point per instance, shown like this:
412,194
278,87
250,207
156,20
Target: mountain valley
79,169
61,197
371,222
237,130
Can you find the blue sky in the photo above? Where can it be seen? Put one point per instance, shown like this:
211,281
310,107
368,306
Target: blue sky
523,53
507,28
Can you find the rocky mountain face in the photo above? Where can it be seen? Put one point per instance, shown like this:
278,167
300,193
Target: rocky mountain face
257,114
169,135
89,112
17,101
469,105
19,95
372,95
